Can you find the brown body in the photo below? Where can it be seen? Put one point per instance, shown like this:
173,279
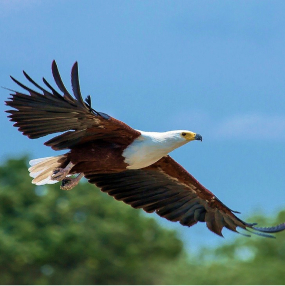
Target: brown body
97,156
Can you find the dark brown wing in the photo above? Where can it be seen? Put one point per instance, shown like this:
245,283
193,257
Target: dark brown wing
169,190
38,114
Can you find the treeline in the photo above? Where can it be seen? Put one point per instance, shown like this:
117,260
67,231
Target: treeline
83,236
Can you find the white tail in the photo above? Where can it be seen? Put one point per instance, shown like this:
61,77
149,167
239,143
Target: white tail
42,169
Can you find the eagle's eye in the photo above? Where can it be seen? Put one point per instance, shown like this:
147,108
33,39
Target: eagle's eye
183,133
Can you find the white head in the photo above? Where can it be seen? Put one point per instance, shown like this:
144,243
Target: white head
184,135
178,138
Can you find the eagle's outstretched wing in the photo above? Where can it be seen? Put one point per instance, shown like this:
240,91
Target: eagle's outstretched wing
38,114
169,190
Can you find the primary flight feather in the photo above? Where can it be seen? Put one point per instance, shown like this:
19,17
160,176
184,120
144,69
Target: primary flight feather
131,165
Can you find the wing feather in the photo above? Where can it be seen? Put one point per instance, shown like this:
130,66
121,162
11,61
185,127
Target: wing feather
38,114
59,82
170,191
75,85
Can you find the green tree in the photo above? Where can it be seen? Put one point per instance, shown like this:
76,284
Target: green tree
83,236
255,260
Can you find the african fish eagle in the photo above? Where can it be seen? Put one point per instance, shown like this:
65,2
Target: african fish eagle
131,165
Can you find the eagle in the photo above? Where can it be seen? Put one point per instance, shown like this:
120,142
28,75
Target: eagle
130,165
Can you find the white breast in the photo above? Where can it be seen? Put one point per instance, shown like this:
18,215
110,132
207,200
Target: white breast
149,147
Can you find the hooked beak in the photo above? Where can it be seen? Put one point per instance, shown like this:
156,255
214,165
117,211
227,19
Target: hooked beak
198,137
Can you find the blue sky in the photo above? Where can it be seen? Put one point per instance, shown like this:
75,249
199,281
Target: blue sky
213,67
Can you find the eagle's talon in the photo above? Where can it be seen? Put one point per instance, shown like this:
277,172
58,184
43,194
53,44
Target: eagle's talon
55,171
69,183
59,174
65,184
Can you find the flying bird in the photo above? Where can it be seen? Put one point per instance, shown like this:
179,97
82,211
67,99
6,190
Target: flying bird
131,165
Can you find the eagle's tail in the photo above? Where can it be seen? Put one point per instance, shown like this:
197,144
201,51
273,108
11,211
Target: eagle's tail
42,169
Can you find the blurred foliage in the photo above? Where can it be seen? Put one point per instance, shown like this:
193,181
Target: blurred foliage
50,236
255,260
83,236
250,261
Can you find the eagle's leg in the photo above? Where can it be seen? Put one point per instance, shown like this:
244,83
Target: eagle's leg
60,173
69,183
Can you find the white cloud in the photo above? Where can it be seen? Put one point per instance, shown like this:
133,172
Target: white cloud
252,126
